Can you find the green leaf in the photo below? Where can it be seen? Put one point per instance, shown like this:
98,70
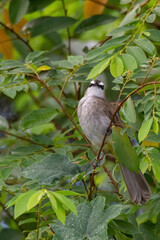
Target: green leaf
37,117
98,69
129,111
3,123
130,17
116,67
21,203
33,55
109,45
65,201
68,193
121,236
51,168
34,199
10,92
146,45
155,126
144,130
121,30
57,207
151,18
91,221
137,53
75,60
5,172
157,11
124,151
154,35
43,25
129,62
92,22
17,9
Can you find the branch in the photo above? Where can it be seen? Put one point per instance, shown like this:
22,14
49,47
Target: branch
48,225
17,35
68,32
113,182
128,96
22,138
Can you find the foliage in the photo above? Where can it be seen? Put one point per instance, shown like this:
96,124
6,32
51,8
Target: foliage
50,188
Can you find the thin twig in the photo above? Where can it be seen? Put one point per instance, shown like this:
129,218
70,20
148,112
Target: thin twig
68,31
22,138
115,184
17,35
48,225
128,96
38,220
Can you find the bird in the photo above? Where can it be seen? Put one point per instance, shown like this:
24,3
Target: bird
95,114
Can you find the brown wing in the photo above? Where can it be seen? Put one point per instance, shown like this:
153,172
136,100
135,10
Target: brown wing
109,110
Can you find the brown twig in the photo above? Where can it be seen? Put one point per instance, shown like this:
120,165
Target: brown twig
48,225
68,31
113,182
17,35
144,3
22,138
129,95
150,69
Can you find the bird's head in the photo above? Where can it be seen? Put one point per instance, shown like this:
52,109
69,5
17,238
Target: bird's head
96,89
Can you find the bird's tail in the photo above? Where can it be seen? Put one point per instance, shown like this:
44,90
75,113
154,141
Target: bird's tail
137,186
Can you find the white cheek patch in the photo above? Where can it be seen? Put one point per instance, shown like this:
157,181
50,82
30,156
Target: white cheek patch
101,84
92,82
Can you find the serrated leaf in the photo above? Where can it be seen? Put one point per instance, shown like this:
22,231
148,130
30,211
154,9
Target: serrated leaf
116,67
144,130
91,221
137,53
146,45
37,117
51,168
124,151
98,69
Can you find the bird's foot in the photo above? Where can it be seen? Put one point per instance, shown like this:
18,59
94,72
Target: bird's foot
98,162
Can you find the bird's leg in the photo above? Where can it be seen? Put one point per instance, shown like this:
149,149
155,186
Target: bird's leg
100,161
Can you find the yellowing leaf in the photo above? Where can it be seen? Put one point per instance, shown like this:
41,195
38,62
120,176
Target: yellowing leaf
93,8
44,68
6,46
